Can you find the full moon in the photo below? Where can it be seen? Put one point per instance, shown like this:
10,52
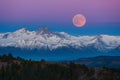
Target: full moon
79,20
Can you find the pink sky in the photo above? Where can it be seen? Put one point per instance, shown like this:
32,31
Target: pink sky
60,11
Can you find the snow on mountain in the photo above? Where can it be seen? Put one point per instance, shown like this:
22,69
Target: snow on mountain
44,38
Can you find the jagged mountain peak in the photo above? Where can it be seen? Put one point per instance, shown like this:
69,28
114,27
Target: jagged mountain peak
46,38
98,37
22,30
44,30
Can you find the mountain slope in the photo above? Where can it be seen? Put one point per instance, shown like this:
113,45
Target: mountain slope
101,61
45,38
19,69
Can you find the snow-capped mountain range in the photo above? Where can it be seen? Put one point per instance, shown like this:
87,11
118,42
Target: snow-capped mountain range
44,38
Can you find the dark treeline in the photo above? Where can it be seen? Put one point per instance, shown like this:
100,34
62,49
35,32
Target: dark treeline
19,69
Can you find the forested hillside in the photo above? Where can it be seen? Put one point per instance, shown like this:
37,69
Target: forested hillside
19,69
